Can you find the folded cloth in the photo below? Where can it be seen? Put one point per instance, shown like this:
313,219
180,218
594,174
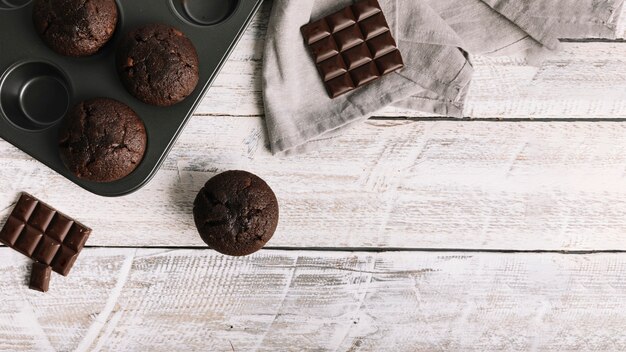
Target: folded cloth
435,38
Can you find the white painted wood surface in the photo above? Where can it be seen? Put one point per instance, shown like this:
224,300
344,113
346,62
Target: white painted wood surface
430,184
181,300
397,183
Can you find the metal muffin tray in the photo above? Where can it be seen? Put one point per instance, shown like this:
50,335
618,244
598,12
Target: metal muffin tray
38,86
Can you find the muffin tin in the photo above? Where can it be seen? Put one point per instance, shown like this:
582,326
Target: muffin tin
38,86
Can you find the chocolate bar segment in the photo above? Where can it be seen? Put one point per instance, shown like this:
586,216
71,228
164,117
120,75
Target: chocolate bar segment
28,241
352,47
365,9
40,277
64,260
11,231
38,231
389,62
47,250
340,20
340,85
316,31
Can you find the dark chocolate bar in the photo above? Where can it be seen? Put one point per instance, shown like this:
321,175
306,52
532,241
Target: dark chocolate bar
40,232
40,277
352,47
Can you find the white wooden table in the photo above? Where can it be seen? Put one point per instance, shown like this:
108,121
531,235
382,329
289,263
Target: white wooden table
502,231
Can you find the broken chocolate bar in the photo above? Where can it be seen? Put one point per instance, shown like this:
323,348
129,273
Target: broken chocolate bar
352,47
44,234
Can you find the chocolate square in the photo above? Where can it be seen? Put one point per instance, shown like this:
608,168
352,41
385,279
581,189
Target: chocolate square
340,20
77,237
317,31
365,9
382,45
324,49
332,67
59,227
40,277
349,38
24,208
28,241
11,231
64,260
357,56
41,217
389,62
364,74
374,26
46,250
340,85
352,47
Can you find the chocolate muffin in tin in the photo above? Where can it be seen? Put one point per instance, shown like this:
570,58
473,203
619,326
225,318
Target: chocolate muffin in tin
102,140
75,27
158,64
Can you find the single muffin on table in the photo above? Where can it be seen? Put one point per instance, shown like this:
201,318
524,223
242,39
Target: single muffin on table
158,65
75,27
236,213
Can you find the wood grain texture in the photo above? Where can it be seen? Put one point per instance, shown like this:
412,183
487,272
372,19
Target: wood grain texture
385,184
583,80
396,183
186,300
620,28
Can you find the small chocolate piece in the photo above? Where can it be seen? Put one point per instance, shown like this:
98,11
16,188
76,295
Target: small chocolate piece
40,277
75,27
38,231
352,47
236,213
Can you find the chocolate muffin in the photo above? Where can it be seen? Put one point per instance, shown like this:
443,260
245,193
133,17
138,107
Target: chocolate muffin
75,27
102,140
158,64
236,213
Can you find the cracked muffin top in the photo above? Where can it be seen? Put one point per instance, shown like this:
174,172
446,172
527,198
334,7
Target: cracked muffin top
236,213
75,27
102,140
158,64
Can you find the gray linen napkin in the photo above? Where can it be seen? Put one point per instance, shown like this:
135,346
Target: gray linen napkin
435,38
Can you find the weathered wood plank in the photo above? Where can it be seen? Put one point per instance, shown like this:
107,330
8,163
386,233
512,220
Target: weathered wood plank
397,183
620,30
584,80
316,301
57,321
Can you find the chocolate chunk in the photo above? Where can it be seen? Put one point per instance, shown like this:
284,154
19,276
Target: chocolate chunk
352,47
47,250
40,277
38,231
64,260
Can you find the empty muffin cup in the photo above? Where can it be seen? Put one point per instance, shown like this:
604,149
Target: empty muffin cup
205,12
13,4
34,95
